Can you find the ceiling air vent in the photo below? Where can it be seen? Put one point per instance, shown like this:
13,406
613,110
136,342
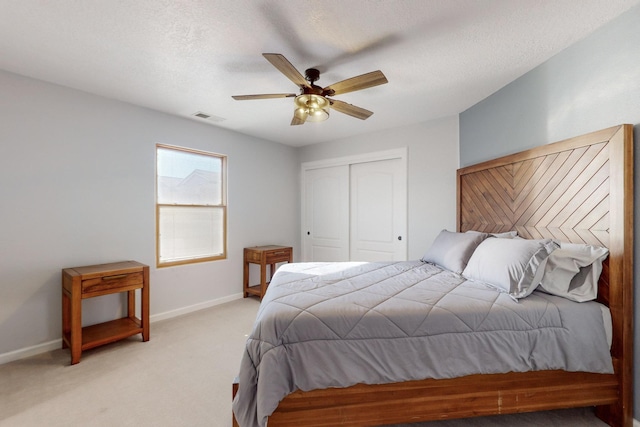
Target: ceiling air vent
201,115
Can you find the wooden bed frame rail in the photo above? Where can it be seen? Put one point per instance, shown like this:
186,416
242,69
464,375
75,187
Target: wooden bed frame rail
579,190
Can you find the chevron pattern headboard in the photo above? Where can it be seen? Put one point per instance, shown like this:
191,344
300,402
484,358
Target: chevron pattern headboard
562,195
579,190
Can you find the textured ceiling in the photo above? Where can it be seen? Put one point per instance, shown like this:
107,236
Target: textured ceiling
183,56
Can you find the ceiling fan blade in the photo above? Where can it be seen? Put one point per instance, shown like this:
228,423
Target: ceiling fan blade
285,67
351,110
363,81
265,96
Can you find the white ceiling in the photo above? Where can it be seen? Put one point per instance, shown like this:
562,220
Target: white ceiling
183,56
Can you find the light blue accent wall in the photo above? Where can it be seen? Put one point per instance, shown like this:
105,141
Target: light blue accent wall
593,84
589,86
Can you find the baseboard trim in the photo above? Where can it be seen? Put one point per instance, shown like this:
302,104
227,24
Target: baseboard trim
636,423
192,308
34,350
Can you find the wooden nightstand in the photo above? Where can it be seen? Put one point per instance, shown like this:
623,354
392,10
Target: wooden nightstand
263,255
90,281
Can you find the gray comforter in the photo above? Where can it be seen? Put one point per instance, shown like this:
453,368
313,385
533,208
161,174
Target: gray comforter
326,325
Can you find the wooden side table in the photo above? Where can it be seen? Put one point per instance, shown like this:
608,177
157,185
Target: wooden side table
263,255
91,281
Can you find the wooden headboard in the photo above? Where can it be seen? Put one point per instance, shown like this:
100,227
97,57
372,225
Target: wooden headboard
579,190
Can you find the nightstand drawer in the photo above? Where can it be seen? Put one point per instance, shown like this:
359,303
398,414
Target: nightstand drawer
278,256
253,256
116,281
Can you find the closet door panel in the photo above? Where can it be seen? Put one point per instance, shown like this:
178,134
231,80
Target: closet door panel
378,211
326,214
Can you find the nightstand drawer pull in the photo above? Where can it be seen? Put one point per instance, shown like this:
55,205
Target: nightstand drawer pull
115,277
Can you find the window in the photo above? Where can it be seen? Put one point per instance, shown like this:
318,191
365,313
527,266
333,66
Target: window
191,211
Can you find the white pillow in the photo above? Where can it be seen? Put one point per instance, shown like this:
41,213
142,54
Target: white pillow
514,266
452,250
573,271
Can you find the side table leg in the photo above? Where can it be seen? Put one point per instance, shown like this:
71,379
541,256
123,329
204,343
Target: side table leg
66,319
144,305
245,283
263,278
272,270
76,323
131,304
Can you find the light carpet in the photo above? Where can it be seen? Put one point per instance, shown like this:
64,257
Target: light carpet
181,377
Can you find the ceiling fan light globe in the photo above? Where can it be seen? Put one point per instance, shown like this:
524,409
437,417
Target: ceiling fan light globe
300,113
319,115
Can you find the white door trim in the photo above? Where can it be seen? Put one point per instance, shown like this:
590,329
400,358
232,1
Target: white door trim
396,153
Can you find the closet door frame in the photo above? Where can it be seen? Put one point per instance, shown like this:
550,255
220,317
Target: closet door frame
396,153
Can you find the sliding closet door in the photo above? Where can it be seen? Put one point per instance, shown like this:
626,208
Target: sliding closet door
378,201
355,208
326,214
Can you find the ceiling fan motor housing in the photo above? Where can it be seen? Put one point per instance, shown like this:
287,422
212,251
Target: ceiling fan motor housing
312,75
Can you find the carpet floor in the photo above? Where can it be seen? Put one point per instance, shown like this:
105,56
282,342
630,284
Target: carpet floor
181,377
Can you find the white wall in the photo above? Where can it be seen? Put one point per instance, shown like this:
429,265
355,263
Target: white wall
433,160
77,187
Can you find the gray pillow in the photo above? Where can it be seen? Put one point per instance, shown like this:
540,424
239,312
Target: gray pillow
506,235
514,266
452,251
573,271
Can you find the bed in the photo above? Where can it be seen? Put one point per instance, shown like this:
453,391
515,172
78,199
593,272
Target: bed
579,191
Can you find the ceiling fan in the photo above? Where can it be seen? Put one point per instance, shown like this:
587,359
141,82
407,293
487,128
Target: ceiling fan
313,102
